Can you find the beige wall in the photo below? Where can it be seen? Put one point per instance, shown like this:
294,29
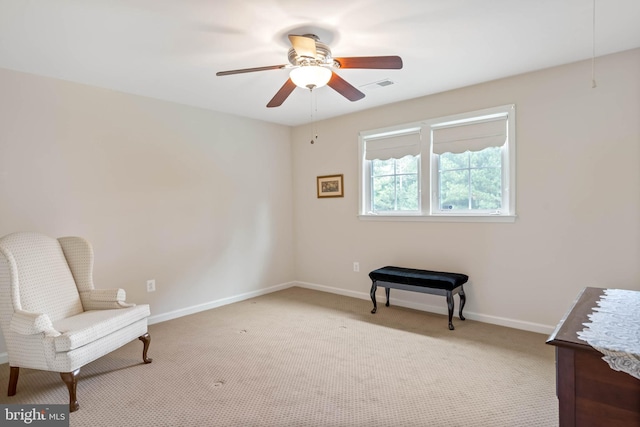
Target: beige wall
578,199
199,201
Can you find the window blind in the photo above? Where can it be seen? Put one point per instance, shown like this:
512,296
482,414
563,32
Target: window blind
393,146
474,136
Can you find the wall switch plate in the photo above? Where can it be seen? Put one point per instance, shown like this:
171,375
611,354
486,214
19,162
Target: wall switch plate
356,267
151,285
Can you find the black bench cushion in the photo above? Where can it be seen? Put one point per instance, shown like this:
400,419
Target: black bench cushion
414,277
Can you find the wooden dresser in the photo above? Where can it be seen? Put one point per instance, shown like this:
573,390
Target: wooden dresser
589,392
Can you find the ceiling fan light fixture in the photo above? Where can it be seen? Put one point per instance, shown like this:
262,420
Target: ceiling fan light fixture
310,76
312,64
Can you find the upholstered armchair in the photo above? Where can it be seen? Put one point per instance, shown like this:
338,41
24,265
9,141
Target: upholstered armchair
51,315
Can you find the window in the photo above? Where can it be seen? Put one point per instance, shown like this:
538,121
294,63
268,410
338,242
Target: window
392,168
394,185
457,167
470,181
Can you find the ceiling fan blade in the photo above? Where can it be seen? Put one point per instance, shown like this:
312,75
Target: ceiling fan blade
282,94
344,88
304,46
372,62
250,70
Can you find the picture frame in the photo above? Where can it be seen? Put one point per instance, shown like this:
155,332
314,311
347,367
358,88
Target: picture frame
330,186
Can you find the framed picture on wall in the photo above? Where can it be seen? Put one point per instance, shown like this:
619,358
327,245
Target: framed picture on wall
330,186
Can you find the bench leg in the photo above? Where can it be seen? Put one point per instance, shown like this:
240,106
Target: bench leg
463,299
450,306
374,287
387,291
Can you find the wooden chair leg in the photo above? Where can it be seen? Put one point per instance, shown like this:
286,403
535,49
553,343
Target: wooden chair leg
71,380
146,340
13,380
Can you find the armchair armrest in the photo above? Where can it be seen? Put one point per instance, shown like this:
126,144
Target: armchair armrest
28,323
104,299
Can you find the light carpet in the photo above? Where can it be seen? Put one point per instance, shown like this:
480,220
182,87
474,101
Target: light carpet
300,357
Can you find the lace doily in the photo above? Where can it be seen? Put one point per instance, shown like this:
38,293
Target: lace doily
614,330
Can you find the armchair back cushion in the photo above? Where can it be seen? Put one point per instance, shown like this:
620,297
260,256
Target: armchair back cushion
46,282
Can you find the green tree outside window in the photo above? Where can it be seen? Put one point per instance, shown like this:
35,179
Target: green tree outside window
471,180
394,184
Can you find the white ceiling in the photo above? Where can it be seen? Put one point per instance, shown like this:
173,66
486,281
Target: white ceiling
171,49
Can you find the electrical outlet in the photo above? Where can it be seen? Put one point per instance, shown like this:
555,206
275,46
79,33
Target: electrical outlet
151,285
356,266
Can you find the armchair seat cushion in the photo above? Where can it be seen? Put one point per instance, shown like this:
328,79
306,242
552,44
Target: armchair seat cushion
89,326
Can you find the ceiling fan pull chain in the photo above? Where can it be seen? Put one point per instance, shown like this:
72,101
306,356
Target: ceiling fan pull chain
314,112
315,122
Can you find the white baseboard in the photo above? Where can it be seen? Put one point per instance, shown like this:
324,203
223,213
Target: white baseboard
494,320
4,357
163,317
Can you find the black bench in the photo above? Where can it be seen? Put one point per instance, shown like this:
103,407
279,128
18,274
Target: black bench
425,281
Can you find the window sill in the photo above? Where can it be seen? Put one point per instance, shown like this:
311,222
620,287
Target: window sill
439,218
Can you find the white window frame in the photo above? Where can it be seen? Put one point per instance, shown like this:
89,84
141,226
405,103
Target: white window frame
428,171
364,169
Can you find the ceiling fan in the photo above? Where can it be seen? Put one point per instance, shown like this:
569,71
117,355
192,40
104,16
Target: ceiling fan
311,63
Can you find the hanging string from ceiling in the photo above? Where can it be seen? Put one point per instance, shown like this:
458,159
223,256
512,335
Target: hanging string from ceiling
593,49
314,113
